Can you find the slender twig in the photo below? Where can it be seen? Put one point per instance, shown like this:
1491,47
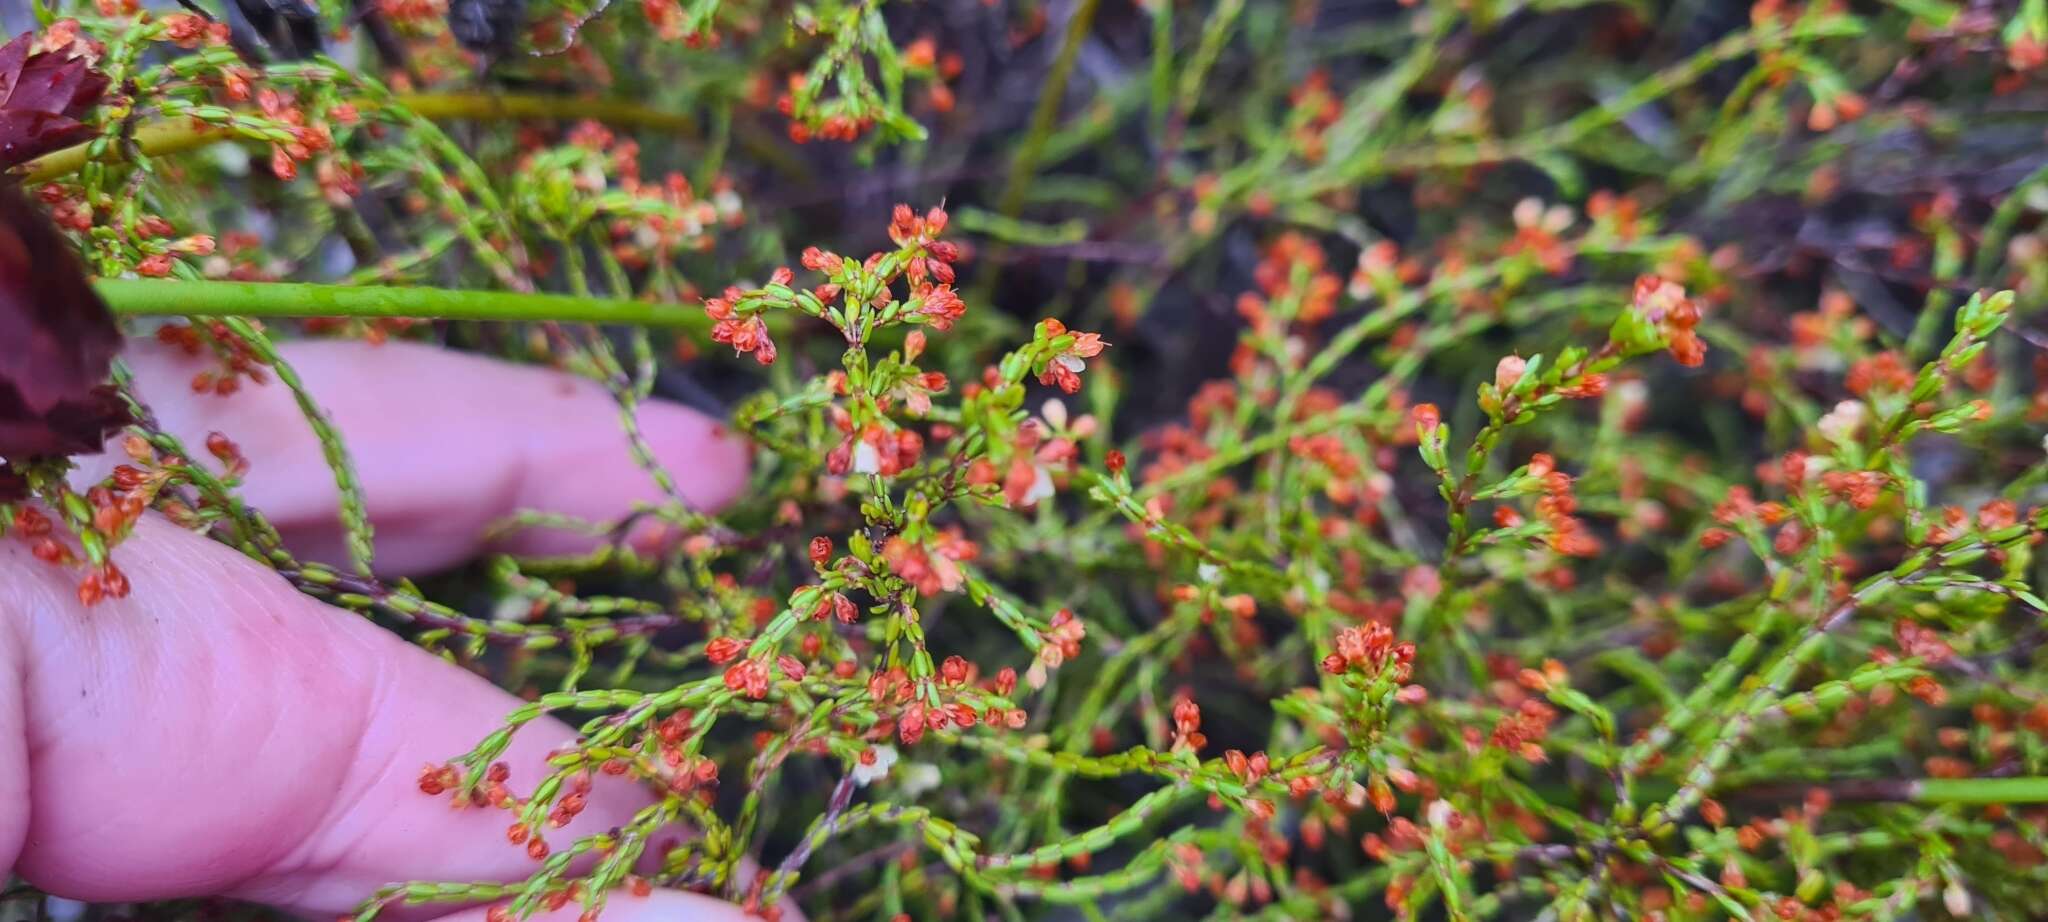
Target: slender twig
179,135
1042,117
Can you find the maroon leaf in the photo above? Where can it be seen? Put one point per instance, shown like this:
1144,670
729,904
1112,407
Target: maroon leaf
25,136
59,339
42,97
47,83
13,55
88,93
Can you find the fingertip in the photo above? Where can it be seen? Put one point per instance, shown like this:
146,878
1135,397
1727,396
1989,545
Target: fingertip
444,444
281,740
709,460
599,477
657,906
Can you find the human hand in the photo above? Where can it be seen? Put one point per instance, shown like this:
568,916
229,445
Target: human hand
218,733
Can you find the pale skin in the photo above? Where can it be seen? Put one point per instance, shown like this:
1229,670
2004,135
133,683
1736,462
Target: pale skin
218,733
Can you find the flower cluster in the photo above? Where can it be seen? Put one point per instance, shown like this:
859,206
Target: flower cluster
1662,309
1371,648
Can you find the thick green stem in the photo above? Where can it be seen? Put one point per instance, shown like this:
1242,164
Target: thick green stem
485,107
178,135
156,139
1981,791
298,299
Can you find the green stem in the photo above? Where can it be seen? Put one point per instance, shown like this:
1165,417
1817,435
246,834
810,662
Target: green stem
486,107
178,135
155,139
1981,791
1048,110
299,299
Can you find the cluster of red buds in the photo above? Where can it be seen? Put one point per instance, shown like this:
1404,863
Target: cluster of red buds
925,261
1316,108
1568,534
1371,649
1249,769
1956,521
1291,256
160,258
931,566
746,333
835,127
1860,489
1661,305
114,508
1037,461
1885,372
836,606
309,136
102,582
1524,727
1187,725
893,690
671,21
235,361
876,449
1539,233
1065,367
684,773
855,113
679,218
1060,642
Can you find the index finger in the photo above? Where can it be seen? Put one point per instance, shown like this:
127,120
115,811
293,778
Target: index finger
216,732
444,445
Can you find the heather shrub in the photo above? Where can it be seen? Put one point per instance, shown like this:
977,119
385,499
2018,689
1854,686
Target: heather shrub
1493,459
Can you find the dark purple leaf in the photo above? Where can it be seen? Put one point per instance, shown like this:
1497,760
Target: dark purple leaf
25,136
42,97
88,94
59,339
47,83
13,55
